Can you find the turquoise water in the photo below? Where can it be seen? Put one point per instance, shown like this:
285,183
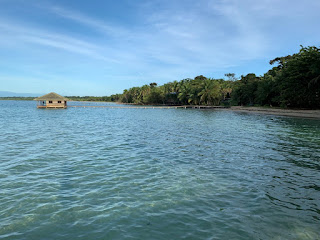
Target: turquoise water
98,173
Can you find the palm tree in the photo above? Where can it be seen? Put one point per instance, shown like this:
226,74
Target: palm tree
145,91
210,93
184,91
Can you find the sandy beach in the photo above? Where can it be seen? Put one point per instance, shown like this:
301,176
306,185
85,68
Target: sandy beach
315,114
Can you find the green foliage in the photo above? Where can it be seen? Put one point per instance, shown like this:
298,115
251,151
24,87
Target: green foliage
298,79
294,82
266,92
210,93
245,88
155,96
231,76
197,91
92,98
17,98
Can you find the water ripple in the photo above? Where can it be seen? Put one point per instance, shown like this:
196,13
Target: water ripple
94,173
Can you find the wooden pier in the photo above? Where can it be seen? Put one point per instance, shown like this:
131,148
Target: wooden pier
152,107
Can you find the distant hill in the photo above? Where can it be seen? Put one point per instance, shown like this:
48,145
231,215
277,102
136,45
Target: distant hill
13,94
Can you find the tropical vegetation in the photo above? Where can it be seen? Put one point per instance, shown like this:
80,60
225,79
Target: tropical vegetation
293,82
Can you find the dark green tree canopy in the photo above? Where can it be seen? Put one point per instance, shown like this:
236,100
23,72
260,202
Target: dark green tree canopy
294,81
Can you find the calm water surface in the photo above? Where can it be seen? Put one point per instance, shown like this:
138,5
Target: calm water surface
98,173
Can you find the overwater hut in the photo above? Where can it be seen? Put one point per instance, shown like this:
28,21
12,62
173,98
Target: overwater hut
51,100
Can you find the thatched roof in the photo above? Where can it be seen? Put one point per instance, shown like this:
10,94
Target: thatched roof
51,96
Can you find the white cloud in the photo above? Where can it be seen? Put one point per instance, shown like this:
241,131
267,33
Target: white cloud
52,39
98,25
171,41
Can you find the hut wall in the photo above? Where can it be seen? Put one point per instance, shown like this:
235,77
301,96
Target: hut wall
55,104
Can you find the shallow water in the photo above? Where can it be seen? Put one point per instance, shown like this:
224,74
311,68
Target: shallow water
100,173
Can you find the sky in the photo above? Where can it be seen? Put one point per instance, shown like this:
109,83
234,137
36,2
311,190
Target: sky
101,47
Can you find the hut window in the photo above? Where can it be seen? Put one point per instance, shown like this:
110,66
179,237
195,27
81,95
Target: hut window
59,101
50,101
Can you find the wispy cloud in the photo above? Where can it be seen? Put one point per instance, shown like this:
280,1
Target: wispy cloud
51,39
215,36
263,26
93,23
164,41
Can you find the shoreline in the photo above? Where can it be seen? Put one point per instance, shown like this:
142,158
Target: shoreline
302,113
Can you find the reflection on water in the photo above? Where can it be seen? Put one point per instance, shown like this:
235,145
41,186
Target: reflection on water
98,173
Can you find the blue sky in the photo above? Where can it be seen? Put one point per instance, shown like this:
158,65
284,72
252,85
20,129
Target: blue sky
100,47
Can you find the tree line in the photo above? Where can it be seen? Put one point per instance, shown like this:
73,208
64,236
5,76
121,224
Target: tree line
293,82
